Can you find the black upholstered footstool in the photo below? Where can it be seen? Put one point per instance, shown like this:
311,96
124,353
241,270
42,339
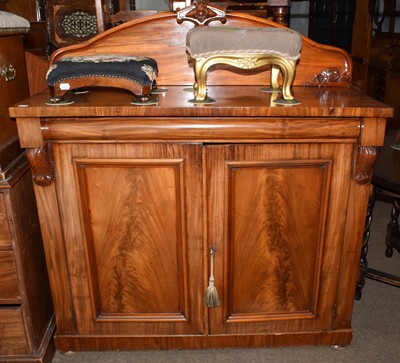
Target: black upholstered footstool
136,74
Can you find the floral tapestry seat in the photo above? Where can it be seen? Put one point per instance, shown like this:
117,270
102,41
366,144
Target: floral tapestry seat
136,74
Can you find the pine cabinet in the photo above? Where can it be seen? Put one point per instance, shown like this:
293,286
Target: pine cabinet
139,211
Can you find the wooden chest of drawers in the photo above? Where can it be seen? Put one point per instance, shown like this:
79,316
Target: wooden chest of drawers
13,82
26,317
26,311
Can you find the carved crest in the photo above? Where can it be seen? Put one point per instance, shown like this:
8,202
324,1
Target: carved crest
200,13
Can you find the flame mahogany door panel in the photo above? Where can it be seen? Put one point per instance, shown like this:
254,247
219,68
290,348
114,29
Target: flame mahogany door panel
133,236
274,227
134,241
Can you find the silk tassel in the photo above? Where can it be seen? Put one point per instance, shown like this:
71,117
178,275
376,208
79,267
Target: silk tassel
211,299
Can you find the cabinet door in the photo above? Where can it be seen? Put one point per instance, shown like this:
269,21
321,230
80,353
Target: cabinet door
133,236
276,222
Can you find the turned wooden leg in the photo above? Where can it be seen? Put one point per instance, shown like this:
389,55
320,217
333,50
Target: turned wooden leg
55,98
146,94
364,248
279,14
145,97
392,232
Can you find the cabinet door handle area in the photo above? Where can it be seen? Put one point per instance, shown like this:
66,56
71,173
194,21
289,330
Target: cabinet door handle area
211,299
8,72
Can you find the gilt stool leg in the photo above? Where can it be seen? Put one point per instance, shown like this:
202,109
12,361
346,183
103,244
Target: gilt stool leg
201,67
274,84
274,77
288,69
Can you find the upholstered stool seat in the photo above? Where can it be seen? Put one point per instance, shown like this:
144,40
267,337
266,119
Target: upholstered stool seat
244,48
136,74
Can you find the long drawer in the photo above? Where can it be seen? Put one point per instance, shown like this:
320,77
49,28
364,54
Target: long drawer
13,340
9,287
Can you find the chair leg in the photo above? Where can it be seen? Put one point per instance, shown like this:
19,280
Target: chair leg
392,239
364,248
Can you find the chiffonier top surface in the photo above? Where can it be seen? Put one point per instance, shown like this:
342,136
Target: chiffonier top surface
241,113
231,101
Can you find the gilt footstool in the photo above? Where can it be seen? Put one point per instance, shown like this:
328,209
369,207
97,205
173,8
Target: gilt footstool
244,48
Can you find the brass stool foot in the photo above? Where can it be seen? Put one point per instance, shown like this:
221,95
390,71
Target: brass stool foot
270,89
206,101
144,101
287,102
158,90
59,101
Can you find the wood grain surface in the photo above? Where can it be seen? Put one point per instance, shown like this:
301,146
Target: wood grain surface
137,196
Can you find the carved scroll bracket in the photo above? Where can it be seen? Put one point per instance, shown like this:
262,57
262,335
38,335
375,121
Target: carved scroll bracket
364,163
200,13
329,77
41,166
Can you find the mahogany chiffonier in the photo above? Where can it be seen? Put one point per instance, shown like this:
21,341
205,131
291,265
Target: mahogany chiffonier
147,209
26,310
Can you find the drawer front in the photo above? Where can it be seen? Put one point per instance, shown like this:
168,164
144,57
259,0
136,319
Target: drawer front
5,239
13,339
9,289
12,57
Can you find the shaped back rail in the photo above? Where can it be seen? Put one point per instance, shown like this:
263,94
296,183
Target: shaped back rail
163,37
